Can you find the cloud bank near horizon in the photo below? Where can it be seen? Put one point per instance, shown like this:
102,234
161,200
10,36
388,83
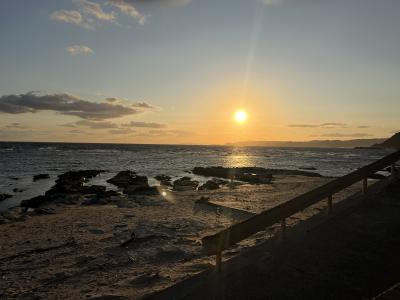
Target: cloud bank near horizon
67,104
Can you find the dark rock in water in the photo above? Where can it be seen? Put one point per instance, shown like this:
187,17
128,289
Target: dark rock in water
35,201
254,175
308,168
13,178
220,181
41,176
92,189
209,185
163,177
17,190
126,178
4,196
185,184
72,181
165,183
142,190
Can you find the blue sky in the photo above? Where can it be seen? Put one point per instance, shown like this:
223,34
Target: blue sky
287,63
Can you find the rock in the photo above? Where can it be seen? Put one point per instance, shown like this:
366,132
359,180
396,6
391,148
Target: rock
185,184
13,178
220,181
44,211
92,189
4,197
41,176
308,168
202,200
165,183
163,177
142,190
72,182
34,202
209,185
123,179
164,180
17,190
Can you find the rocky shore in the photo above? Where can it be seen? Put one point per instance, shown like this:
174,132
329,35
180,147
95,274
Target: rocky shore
136,238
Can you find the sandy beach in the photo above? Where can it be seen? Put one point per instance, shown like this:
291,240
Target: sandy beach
133,245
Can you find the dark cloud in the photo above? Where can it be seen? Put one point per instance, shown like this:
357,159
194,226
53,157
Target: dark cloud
363,126
175,133
68,105
144,125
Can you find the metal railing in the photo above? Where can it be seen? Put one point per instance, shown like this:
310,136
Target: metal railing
218,242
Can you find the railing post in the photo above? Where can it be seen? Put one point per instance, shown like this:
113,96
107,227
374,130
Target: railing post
393,172
365,185
218,261
330,204
283,229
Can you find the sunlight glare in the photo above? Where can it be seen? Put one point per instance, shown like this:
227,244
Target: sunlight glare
240,116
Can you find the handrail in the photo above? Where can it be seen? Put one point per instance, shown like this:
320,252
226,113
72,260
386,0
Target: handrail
216,243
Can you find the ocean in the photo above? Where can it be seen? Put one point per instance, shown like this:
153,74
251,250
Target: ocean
19,162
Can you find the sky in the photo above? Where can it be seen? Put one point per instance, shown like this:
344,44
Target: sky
177,71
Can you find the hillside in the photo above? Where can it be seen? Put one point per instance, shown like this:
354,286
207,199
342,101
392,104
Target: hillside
392,142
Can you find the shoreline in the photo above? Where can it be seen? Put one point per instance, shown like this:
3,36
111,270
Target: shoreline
133,245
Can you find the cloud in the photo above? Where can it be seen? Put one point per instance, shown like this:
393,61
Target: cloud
144,125
65,104
95,10
89,14
127,8
122,131
323,125
16,126
331,125
67,16
96,125
176,133
159,2
303,125
341,135
79,49
363,126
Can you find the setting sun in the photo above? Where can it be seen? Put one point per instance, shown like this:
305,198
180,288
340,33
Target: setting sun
240,116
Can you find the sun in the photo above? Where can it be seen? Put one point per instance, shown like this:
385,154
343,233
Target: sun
240,116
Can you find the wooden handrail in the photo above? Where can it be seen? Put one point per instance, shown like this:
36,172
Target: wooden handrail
216,243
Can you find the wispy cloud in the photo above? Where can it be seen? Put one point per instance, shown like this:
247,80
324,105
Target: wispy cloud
144,125
68,16
127,8
79,49
16,126
122,131
343,135
95,10
66,104
323,125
